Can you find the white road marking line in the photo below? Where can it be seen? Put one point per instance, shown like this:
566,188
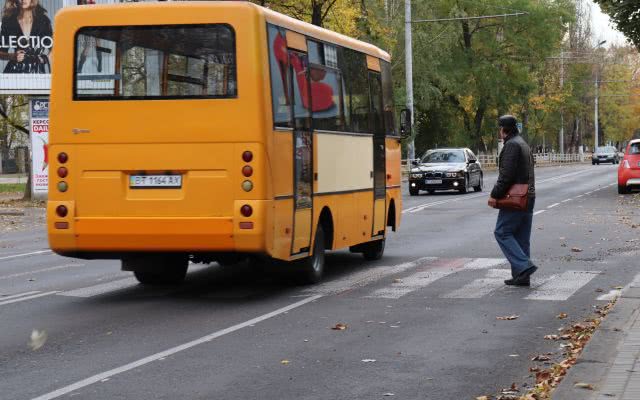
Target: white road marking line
411,283
166,353
13,296
481,287
19,274
539,212
102,288
565,200
439,202
364,278
554,205
33,253
562,286
484,263
35,296
612,295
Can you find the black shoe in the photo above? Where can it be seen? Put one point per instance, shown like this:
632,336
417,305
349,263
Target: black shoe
523,279
518,281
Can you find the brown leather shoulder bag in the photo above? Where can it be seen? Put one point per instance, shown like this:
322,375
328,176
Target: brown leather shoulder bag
517,198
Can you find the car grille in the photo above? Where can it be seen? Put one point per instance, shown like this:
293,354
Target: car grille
433,174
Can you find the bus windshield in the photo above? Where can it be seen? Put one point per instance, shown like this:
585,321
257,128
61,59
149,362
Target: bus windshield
151,62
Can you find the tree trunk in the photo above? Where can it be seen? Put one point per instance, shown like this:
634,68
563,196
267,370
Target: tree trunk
477,122
27,190
316,13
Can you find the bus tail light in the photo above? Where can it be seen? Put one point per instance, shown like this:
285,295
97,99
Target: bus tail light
63,158
62,211
63,172
247,156
246,225
62,186
246,210
247,171
247,186
61,225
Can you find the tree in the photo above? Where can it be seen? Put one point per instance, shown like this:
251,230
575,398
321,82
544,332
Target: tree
624,13
13,122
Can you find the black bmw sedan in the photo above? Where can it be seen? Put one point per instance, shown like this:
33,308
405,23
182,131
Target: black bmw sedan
446,169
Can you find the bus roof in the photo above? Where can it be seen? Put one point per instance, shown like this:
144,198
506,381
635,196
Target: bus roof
269,15
322,34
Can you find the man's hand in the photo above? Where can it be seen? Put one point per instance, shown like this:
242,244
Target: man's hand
492,202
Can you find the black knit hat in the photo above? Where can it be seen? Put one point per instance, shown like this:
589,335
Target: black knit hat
508,121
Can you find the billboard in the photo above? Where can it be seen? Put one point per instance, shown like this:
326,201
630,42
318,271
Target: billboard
39,127
26,45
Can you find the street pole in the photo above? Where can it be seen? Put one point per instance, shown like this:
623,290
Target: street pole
561,135
411,151
595,137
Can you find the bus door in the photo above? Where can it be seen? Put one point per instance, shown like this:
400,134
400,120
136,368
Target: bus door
303,151
379,164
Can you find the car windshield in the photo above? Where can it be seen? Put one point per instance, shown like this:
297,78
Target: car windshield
444,156
604,150
634,148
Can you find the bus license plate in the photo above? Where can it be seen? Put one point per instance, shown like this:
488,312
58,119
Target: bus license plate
155,181
433,182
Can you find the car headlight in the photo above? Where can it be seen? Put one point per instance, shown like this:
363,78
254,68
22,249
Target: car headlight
452,174
416,175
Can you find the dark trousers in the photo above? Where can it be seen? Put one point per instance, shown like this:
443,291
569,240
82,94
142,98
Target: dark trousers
513,234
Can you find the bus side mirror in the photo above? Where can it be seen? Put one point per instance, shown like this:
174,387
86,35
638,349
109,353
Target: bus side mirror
405,123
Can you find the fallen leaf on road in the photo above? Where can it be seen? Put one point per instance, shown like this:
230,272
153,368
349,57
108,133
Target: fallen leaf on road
397,281
562,315
576,249
483,398
38,339
368,360
583,385
389,394
551,337
284,362
508,318
618,287
339,327
598,290
541,357
534,369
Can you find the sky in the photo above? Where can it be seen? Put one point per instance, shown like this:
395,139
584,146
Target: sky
602,27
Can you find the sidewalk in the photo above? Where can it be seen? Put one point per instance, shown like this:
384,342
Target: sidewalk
13,178
611,360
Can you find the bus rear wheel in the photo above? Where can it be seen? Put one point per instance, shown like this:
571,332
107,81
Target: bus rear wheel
373,250
158,270
310,269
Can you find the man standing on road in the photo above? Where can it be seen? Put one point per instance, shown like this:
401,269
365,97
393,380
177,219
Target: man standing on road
513,228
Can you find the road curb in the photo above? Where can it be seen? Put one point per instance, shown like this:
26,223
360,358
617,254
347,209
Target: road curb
597,358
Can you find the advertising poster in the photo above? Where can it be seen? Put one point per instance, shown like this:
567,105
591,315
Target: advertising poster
39,127
26,45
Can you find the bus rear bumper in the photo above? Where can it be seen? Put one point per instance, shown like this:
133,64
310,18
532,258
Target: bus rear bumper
110,236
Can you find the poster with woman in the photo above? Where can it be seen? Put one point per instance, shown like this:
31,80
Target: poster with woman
26,45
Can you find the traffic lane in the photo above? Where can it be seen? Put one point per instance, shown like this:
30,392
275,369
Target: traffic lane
447,350
88,334
416,345
464,227
490,178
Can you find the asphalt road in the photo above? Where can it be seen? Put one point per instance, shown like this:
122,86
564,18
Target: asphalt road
421,322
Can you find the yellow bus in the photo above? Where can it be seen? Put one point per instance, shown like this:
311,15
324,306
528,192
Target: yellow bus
211,131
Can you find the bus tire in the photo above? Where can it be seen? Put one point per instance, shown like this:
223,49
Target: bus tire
373,250
163,270
310,269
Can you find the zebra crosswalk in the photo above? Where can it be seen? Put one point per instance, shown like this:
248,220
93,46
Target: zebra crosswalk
456,278
419,275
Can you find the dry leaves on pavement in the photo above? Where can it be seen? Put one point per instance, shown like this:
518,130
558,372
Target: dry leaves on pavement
508,318
562,315
339,327
576,249
583,385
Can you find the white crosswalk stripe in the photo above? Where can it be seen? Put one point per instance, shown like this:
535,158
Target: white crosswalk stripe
481,287
561,286
102,288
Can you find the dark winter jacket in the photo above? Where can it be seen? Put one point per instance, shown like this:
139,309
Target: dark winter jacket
515,166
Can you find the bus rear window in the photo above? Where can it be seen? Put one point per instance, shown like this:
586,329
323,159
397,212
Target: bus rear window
155,62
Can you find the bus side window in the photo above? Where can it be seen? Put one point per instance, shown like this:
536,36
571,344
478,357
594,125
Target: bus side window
356,90
280,78
387,99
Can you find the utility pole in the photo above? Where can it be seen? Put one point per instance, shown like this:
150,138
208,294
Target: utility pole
561,135
408,55
595,117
